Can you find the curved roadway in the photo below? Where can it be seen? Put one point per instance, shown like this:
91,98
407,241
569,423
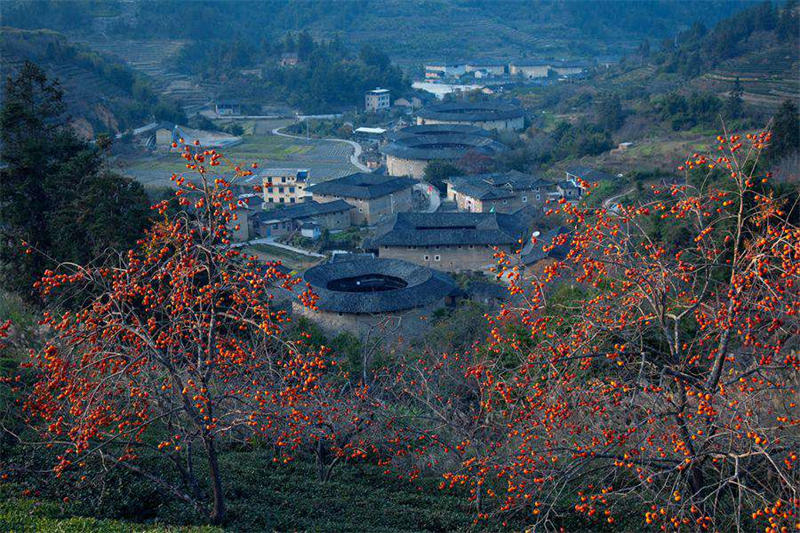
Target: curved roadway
353,157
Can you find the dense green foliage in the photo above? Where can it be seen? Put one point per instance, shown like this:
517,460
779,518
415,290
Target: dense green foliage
56,193
263,497
697,48
328,77
420,29
102,90
786,132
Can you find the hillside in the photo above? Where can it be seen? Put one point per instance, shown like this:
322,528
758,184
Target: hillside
407,31
102,93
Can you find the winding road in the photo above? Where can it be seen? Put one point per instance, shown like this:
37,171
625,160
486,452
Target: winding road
354,157
609,202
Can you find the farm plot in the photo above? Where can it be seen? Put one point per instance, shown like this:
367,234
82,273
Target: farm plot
326,160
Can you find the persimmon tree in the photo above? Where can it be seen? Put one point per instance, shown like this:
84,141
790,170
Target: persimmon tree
173,349
663,378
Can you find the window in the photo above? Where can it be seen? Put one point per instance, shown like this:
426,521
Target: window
281,199
269,190
280,189
538,197
426,258
283,179
505,202
291,189
437,257
271,199
524,198
291,200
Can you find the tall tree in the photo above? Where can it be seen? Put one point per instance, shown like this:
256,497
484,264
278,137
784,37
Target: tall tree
608,112
734,105
174,350
785,131
641,372
45,187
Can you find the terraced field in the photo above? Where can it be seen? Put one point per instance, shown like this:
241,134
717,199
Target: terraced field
768,76
151,58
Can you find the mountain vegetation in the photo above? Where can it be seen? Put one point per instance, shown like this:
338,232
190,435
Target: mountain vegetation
430,29
56,193
153,378
327,76
103,94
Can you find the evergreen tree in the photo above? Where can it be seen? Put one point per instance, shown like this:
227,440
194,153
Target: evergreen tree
788,22
55,193
734,105
609,112
785,132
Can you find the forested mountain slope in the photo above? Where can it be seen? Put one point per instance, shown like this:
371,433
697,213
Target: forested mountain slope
102,94
406,30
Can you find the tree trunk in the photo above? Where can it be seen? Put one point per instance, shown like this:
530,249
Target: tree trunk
217,514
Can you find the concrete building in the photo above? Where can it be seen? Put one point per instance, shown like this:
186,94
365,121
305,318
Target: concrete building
569,68
289,59
529,69
375,197
438,71
490,115
377,100
568,190
291,218
505,192
284,185
488,66
375,297
452,241
225,108
412,148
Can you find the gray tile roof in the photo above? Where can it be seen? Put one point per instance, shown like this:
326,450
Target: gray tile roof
479,189
439,129
472,111
362,185
427,146
498,185
453,229
303,210
422,286
590,175
533,253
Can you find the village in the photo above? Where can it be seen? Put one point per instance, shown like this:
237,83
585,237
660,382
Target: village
385,249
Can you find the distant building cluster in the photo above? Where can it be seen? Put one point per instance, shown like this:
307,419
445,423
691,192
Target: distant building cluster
412,235
526,68
489,115
411,149
500,192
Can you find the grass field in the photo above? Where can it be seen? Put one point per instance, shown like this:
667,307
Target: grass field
288,258
325,159
264,496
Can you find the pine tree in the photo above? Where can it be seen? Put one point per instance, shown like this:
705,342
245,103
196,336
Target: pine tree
56,196
785,132
734,105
